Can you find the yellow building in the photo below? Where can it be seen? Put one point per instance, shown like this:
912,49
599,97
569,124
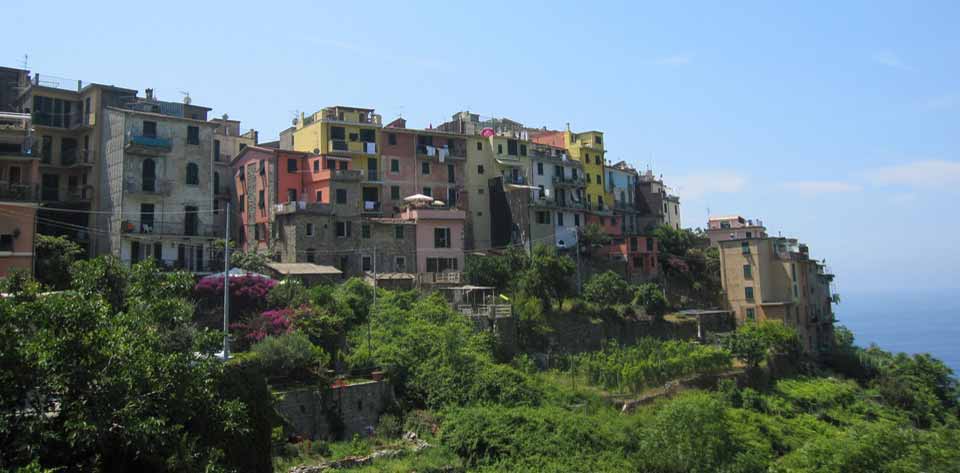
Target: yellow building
586,147
775,279
347,132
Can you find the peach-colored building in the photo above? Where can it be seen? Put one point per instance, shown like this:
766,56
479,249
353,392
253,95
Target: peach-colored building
439,244
734,227
19,189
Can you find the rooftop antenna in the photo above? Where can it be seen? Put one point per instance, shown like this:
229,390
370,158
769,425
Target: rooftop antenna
186,97
25,61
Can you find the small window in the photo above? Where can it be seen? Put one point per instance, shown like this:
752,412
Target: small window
480,191
479,146
576,220
559,219
649,244
316,165
451,173
596,160
291,165
309,229
150,129
745,247
341,196
338,133
751,314
499,148
365,231
479,169
539,169
260,199
310,253
523,150
193,174
394,165
368,135
747,272
598,178
399,264
193,135
441,238
428,192
367,265
216,149
392,138
424,168
291,195
398,232
512,147
748,293
394,192
319,196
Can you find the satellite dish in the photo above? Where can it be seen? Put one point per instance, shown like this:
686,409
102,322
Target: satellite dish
487,132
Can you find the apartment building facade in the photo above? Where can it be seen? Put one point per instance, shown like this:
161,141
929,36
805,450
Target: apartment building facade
156,189
733,227
228,141
656,203
775,279
19,192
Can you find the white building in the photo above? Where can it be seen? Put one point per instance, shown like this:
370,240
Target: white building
157,198
560,191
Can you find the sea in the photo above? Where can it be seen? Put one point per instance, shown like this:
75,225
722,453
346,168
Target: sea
910,322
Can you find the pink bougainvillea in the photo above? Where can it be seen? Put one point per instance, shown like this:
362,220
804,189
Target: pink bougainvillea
271,322
247,293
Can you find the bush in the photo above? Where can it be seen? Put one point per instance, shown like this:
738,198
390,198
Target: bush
651,298
607,289
289,356
55,255
753,341
389,426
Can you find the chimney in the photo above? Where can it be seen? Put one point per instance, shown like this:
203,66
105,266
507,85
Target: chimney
149,93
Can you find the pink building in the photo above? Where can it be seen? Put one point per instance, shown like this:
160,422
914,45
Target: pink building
734,227
426,162
439,243
19,193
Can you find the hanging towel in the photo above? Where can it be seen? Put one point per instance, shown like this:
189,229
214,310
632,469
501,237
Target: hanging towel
431,150
443,152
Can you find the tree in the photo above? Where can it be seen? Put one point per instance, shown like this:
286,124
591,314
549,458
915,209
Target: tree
754,341
499,271
548,275
593,236
252,261
55,255
650,297
104,276
607,289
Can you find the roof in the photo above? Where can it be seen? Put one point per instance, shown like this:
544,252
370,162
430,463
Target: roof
396,276
726,217
272,151
162,116
297,269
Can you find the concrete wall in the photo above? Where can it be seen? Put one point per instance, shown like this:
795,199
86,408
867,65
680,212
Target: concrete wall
312,414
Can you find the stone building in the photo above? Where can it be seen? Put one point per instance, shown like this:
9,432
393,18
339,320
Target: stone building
156,188
656,203
227,144
775,279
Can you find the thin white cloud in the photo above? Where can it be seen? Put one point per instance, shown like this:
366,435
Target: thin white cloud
695,186
924,174
889,59
943,102
675,60
821,187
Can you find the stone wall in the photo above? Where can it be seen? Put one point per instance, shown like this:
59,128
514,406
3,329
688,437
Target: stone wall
337,412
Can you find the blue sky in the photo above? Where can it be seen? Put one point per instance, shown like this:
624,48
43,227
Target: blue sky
834,124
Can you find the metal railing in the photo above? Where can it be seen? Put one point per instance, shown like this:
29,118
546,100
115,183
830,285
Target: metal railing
178,228
18,192
150,186
454,152
76,157
493,311
450,277
301,206
372,206
569,181
159,140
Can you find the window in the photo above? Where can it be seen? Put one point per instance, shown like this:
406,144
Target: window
598,178
748,293
596,140
193,174
394,192
596,160
309,229
441,238
559,219
338,133
499,148
439,265
451,173
428,192
216,182
319,196
256,235
366,264
451,197
649,244
149,129
241,203
539,169
344,263
193,135
148,175
479,146
316,165
368,135
479,169
793,271
310,257
291,195
399,264
747,272
365,231
394,165
749,234
543,218
341,196
744,248
480,191
576,220
260,200
613,221
512,147
796,292
344,229
424,168
588,178
191,222
263,167
523,150
242,146
216,150
392,138
291,165
398,232
751,314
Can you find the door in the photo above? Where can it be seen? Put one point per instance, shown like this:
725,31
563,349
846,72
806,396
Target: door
134,252
191,223
372,169
149,175
51,187
146,218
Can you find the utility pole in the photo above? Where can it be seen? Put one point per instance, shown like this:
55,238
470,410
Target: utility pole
226,287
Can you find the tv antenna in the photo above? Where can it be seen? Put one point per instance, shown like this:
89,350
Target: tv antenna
25,61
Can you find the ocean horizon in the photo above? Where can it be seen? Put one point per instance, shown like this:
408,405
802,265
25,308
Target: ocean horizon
905,321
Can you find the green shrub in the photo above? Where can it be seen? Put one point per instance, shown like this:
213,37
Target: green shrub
607,289
389,426
289,356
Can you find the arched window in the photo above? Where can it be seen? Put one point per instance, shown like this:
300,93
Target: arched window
193,174
149,175
216,182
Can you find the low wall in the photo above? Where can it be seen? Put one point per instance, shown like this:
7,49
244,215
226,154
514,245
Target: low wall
336,412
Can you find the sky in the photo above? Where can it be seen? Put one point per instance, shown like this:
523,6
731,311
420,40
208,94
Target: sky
833,123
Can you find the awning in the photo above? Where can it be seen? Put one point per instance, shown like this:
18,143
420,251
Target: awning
510,162
303,269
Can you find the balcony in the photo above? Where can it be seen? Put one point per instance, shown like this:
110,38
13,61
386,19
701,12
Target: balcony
441,278
577,181
182,228
363,119
76,157
444,152
359,147
288,208
153,187
18,192
150,144
488,311
515,180
78,195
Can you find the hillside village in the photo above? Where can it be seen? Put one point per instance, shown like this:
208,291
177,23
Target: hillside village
365,294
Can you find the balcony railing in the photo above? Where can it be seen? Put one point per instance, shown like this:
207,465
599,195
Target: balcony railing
153,143
569,181
346,174
343,146
430,151
287,208
76,157
441,278
181,228
372,207
19,192
492,311
150,186
518,180
371,119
